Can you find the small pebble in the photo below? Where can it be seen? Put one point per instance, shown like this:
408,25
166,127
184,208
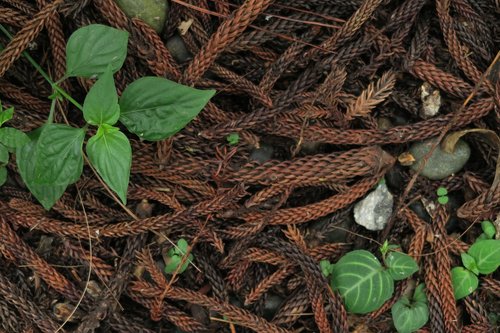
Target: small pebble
178,49
431,101
374,211
153,12
440,164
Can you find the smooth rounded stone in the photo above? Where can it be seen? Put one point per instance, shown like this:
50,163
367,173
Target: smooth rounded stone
374,211
178,49
153,12
271,305
262,154
440,164
419,209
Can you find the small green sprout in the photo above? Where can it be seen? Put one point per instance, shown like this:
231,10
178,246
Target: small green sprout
442,195
233,139
174,257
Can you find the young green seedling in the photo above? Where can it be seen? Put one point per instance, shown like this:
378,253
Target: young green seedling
442,194
10,139
363,282
233,139
173,258
483,257
153,108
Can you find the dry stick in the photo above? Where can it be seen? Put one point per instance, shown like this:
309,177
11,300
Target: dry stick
445,130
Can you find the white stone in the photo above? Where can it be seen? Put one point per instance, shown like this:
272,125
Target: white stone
374,211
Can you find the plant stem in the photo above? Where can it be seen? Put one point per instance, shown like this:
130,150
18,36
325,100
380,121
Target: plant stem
47,78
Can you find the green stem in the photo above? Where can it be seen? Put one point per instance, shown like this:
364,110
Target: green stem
40,70
50,120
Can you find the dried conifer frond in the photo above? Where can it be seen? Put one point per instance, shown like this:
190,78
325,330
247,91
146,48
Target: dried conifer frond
332,86
371,96
293,234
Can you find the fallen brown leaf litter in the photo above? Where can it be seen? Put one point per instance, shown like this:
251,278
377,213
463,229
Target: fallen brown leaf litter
324,95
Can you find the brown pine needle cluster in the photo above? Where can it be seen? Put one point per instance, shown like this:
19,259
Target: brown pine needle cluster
373,95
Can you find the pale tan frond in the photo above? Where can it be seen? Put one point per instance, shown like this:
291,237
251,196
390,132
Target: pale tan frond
373,95
293,233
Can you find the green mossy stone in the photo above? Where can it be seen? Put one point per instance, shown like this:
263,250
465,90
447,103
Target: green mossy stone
153,12
440,164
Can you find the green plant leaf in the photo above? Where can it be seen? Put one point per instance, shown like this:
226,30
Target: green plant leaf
443,200
469,263
487,255
4,155
441,191
59,156
101,103
488,228
155,108
419,294
400,265
6,115
362,281
110,153
91,49
409,316
13,138
3,175
464,282
326,267
233,139
182,244
46,194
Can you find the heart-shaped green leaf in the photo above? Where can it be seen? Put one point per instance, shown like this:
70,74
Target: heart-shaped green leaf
101,103
13,138
487,255
362,281
464,282
409,316
155,108
59,158
110,153
400,265
25,155
91,49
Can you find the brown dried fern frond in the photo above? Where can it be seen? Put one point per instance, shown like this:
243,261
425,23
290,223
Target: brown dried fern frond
373,95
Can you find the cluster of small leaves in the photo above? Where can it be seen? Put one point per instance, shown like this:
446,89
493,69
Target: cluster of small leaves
173,258
10,139
151,107
363,282
365,285
483,257
442,194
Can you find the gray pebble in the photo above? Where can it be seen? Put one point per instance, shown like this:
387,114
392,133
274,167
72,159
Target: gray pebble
440,164
374,211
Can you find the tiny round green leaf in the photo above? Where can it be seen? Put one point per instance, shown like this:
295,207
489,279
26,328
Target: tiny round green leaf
443,200
464,282
442,191
488,228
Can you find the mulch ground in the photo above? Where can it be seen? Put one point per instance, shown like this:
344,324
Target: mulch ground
300,82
